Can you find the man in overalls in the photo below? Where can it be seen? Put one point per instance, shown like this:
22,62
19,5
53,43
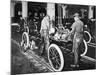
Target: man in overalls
44,31
77,33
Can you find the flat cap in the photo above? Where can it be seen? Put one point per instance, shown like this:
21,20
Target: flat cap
76,15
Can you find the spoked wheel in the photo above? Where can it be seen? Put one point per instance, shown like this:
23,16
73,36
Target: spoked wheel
87,36
25,40
83,48
55,57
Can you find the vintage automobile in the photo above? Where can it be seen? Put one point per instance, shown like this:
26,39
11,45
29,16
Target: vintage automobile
59,44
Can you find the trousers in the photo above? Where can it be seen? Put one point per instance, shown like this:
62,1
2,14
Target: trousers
77,40
45,39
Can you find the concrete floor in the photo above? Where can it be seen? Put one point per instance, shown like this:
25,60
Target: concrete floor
20,64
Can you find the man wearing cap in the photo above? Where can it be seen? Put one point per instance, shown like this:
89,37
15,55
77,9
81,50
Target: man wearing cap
77,36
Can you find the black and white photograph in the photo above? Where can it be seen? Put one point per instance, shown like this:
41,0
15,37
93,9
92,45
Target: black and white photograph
52,37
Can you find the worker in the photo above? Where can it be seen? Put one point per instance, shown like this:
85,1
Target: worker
77,37
44,31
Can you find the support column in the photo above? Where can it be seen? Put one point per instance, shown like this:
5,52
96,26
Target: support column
64,11
60,15
67,13
90,12
24,9
12,9
51,10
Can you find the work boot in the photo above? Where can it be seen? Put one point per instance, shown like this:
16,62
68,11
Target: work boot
74,66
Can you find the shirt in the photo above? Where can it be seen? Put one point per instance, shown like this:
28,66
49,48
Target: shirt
77,28
45,23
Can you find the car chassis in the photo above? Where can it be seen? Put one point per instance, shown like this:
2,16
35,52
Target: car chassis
56,51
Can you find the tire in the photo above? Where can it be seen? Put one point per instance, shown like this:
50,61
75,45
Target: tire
57,51
89,35
25,40
86,48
